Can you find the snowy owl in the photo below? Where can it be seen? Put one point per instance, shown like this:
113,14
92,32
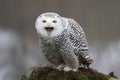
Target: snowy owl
63,41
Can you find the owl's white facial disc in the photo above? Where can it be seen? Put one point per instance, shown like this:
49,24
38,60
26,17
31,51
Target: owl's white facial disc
49,25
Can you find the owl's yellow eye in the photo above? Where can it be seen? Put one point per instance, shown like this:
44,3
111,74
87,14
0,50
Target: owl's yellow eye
54,21
44,21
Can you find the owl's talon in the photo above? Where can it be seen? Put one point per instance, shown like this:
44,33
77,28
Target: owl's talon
69,69
60,67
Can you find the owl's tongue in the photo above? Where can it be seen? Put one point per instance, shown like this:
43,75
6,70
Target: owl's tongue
49,29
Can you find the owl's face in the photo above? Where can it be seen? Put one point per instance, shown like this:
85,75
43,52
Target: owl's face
49,25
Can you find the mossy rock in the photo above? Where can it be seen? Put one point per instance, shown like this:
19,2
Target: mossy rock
49,73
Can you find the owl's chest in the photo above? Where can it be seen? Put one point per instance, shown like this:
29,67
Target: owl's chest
50,47
52,52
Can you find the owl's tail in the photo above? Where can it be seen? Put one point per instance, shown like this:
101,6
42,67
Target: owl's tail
85,60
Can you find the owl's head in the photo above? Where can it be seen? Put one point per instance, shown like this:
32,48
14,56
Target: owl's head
50,25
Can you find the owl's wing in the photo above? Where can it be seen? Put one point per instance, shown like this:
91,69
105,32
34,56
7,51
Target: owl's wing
76,42
77,37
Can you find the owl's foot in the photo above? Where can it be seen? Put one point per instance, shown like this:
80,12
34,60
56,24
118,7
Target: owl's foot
60,67
69,69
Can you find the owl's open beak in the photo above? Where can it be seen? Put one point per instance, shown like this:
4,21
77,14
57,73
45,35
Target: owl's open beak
49,29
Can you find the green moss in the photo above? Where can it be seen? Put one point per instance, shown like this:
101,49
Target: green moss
48,73
111,78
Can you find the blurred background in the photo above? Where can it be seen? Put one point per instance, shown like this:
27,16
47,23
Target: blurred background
19,45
